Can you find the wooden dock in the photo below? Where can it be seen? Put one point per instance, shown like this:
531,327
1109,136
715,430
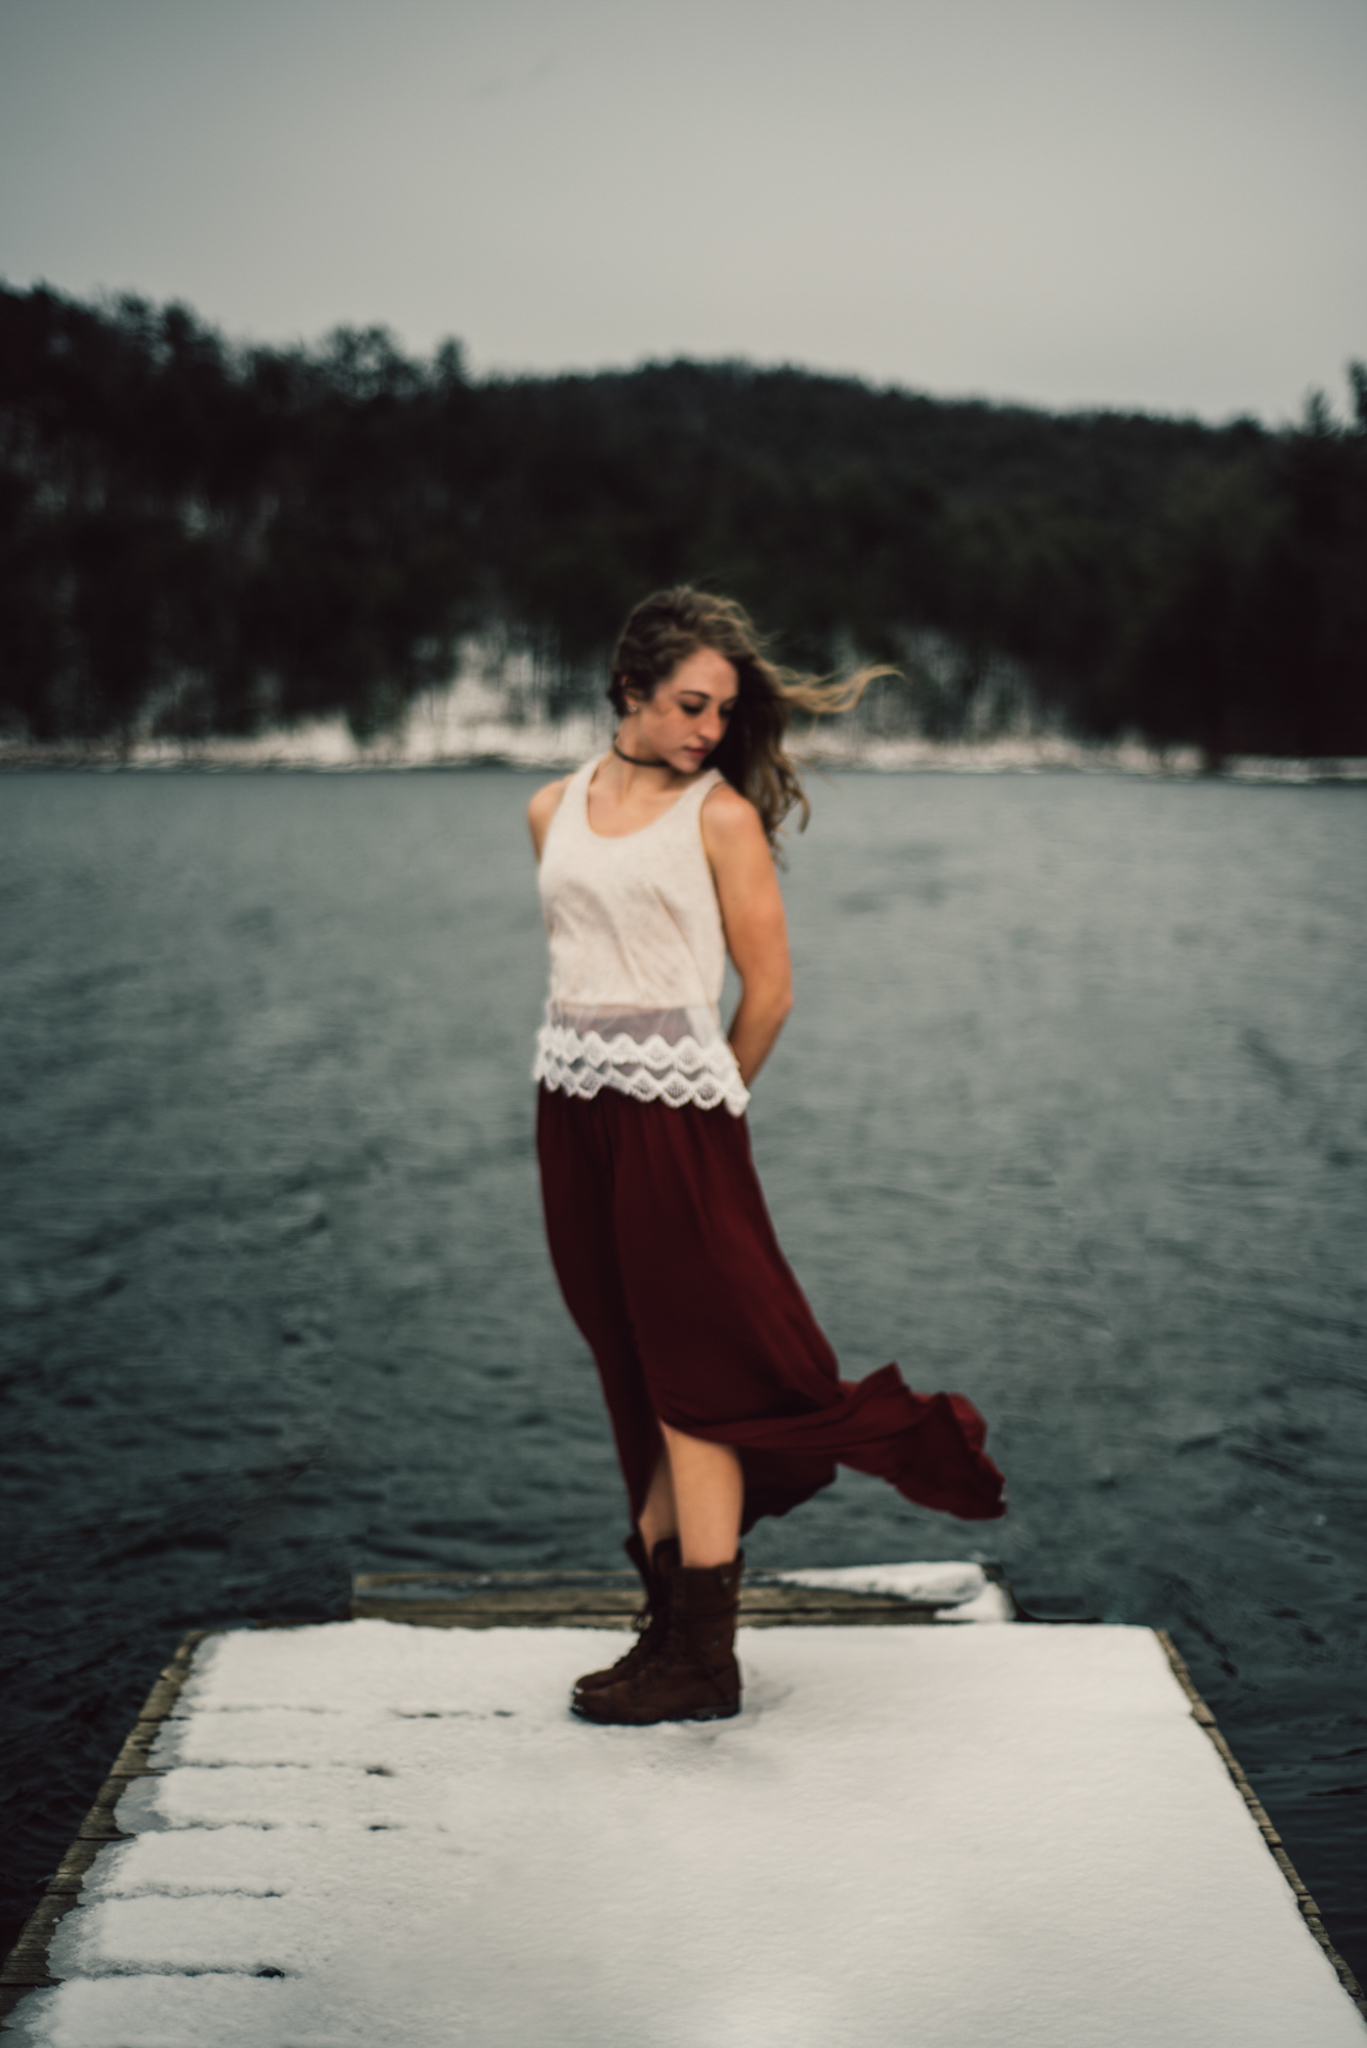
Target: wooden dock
814,1599
924,1828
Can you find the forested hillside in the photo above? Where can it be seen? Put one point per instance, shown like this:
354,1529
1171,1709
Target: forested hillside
198,537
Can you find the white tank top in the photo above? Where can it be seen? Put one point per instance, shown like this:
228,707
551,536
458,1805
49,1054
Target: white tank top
637,957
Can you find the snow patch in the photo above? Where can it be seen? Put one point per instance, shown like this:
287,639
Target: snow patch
957,1592
376,1836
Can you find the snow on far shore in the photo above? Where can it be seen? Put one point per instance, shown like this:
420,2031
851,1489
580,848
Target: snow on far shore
468,723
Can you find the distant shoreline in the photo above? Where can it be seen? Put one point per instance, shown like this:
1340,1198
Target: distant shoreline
328,747
212,537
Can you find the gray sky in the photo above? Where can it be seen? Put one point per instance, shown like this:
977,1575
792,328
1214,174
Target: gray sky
1159,203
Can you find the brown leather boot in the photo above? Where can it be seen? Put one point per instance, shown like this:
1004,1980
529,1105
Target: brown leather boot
652,1623
694,1675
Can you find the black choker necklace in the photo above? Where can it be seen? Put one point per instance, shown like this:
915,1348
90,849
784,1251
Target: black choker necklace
634,761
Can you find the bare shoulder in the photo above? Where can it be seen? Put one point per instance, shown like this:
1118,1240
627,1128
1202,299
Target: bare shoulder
546,802
733,835
729,820
543,808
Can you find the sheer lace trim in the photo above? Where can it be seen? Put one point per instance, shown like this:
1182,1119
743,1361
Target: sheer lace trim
653,1068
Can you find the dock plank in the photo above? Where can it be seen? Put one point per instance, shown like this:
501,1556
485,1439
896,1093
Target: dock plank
26,1965
612,1599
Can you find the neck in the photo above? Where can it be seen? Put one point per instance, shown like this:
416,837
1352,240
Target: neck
634,759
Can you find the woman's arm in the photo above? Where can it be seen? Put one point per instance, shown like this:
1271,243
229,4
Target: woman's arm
542,809
752,918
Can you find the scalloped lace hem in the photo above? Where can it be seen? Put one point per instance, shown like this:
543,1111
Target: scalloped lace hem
655,1068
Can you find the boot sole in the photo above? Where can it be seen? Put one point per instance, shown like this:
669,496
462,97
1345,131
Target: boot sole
577,1708
598,1683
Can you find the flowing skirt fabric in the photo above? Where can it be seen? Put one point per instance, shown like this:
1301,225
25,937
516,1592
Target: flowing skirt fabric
669,1265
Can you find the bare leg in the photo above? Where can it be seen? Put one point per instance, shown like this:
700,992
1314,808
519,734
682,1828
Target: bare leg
709,1495
659,1517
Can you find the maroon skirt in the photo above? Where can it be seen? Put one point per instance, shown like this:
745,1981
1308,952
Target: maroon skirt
669,1265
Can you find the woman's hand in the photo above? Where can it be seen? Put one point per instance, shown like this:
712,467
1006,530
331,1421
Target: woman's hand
753,921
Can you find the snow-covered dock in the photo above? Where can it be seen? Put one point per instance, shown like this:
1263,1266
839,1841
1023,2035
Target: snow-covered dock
961,1836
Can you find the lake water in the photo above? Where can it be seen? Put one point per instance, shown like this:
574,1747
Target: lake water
1071,1116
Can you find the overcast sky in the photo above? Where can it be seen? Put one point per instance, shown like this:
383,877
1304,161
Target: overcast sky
1154,203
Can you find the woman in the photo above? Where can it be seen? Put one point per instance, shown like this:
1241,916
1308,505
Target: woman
726,1403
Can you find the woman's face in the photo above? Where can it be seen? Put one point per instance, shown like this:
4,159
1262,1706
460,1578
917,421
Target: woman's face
686,718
